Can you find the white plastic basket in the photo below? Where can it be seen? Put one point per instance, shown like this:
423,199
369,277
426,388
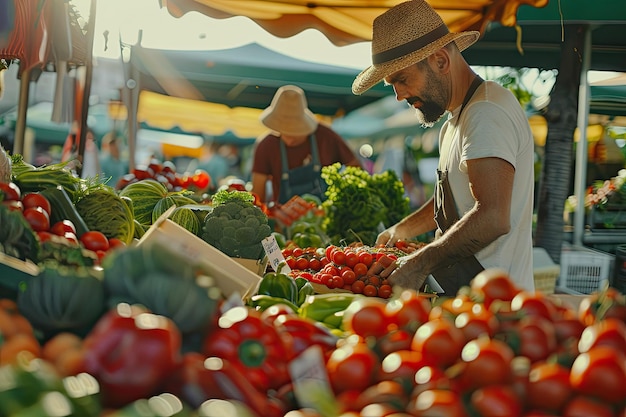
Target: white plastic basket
545,271
584,270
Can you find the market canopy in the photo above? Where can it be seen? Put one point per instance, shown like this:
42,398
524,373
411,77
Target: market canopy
247,76
346,21
538,40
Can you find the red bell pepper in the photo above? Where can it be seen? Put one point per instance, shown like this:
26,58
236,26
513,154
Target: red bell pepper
131,351
254,346
300,333
199,379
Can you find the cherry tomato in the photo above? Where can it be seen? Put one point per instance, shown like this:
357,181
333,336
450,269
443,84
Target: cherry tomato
348,276
437,402
315,264
36,200
360,269
439,341
477,321
201,179
94,241
302,263
395,340
401,365
533,304
115,243
583,406
385,291
338,282
601,373
44,236
537,338
62,227
38,219
357,287
486,361
607,332
366,258
409,310
339,257
13,205
351,258
548,387
493,284
352,366
496,401
367,317
9,191
370,290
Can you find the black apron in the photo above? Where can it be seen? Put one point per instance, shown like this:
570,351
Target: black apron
452,277
305,179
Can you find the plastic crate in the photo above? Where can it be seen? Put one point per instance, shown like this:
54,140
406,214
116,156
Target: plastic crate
584,270
545,271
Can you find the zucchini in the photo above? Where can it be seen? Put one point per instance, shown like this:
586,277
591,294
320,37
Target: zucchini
64,209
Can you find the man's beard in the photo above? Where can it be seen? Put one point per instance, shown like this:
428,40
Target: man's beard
429,114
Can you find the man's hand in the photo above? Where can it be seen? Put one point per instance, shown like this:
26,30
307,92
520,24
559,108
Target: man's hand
406,273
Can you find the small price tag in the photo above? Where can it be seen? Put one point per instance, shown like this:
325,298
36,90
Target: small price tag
274,255
310,382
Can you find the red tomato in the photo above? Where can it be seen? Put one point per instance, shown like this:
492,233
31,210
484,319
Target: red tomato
9,191
351,258
439,341
430,377
302,263
115,243
395,340
62,227
486,362
37,218
582,406
201,179
608,332
496,401
601,373
493,284
537,338
437,402
367,317
95,241
13,205
366,258
477,321
533,304
548,387
36,200
409,310
402,365
44,236
71,238
352,366
339,257
385,291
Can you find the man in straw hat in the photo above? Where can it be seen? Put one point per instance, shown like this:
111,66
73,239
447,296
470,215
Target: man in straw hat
483,202
291,156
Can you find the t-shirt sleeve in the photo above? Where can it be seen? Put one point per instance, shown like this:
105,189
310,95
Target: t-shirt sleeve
261,161
488,132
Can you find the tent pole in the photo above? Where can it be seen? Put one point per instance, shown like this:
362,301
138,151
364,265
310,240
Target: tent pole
581,150
20,122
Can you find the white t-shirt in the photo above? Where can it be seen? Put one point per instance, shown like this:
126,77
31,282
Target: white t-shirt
493,124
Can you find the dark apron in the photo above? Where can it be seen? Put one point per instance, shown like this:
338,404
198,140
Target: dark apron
452,277
305,179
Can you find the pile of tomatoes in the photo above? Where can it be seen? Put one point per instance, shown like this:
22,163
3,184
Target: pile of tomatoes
165,173
353,268
37,210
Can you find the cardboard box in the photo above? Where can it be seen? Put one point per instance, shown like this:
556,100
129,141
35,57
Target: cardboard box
232,277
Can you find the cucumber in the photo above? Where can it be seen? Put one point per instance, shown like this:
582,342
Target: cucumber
64,209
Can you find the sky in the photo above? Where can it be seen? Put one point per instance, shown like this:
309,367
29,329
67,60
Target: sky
194,31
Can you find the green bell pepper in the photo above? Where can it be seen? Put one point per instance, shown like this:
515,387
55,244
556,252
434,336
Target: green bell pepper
304,288
280,285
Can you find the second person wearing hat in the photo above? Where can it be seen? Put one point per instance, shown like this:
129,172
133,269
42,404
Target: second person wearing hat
292,155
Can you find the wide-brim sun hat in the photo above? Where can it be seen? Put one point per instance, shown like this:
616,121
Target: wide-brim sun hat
405,35
289,113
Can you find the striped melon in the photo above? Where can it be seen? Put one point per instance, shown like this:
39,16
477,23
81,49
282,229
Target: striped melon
185,217
145,195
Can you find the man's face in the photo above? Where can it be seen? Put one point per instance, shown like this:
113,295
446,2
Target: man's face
423,89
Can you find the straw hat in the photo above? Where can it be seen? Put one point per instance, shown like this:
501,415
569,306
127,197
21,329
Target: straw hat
403,36
289,113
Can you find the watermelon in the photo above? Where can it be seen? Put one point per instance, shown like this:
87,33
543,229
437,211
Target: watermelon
185,217
145,195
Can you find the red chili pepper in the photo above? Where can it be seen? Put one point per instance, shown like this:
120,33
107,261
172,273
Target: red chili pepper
199,379
248,342
131,351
